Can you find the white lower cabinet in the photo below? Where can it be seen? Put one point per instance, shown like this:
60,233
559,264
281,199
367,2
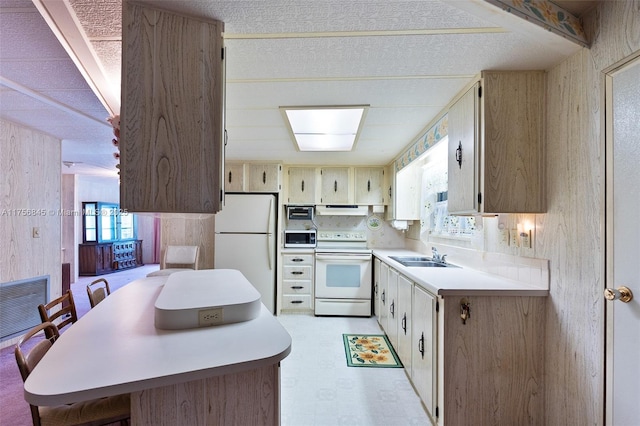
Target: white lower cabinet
487,369
383,309
297,281
404,311
423,353
391,326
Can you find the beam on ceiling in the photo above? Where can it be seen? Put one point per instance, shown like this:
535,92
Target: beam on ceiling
60,17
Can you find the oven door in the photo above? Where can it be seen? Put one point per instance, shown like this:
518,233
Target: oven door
343,276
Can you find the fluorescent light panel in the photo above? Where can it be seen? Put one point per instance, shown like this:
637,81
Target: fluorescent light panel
325,128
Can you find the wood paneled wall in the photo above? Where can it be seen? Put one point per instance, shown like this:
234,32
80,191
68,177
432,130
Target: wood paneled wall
571,235
30,179
190,230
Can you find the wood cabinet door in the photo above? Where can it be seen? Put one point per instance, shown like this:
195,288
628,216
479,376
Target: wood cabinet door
334,185
376,286
391,326
263,177
234,177
172,121
369,185
424,361
463,152
383,282
302,185
405,293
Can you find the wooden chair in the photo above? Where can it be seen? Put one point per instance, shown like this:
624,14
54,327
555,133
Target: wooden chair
97,291
178,258
66,313
29,351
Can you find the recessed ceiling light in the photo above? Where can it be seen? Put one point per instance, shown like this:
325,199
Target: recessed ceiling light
325,128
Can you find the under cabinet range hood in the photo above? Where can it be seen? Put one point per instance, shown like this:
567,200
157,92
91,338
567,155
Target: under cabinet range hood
342,210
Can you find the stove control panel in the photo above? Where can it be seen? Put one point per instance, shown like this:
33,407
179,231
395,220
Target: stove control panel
342,236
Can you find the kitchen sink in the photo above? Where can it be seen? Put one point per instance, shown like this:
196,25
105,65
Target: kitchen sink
421,262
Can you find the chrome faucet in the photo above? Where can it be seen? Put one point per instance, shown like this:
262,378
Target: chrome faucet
435,255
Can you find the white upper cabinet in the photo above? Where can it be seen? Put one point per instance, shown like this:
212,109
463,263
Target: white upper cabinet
302,185
234,177
335,185
263,177
252,177
496,145
369,186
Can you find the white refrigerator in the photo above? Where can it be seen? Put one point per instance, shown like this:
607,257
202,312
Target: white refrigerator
245,239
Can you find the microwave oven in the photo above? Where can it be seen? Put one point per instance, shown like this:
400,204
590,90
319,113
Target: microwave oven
300,238
300,212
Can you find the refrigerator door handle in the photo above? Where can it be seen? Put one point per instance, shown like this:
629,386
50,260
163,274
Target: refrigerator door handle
268,231
269,237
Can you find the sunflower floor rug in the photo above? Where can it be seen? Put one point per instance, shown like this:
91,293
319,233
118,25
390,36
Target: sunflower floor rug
369,350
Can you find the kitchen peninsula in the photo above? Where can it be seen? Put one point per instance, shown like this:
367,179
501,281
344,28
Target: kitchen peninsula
208,375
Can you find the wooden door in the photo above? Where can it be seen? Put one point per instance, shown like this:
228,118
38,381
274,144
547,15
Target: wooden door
369,185
463,175
391,326
405,292
623,245
264,177
302,185
335,185
383,282
424,346
234,177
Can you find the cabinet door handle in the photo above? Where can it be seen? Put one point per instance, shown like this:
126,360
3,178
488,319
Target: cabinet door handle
297,273
369,185
297,259
382,297
296,302
404,323
335,186
392,309
297,287
302,186
459,154
230,177
421,345
264,177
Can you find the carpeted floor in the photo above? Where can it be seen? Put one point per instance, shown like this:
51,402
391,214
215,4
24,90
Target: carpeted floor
14,410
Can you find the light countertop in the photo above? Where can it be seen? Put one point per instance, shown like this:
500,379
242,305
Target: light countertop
459,281
115,348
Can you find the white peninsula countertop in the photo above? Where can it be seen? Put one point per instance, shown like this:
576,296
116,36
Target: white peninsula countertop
115,348
458,281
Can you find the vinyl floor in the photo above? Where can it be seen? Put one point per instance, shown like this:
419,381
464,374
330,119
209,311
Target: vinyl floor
318,389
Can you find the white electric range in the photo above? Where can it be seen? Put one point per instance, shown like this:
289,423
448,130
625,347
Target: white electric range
343,274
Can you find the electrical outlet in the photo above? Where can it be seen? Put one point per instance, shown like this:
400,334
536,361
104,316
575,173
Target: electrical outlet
208,317
35,232
513,241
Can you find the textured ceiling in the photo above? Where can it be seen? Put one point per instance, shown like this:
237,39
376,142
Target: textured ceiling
406,59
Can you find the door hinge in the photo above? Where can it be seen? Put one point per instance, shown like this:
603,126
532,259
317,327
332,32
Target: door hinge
437,411
222,54
437,306
479,197
480,91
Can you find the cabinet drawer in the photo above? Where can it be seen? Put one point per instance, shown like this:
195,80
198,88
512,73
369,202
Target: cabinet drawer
296,272
298,259
296,301
296,287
